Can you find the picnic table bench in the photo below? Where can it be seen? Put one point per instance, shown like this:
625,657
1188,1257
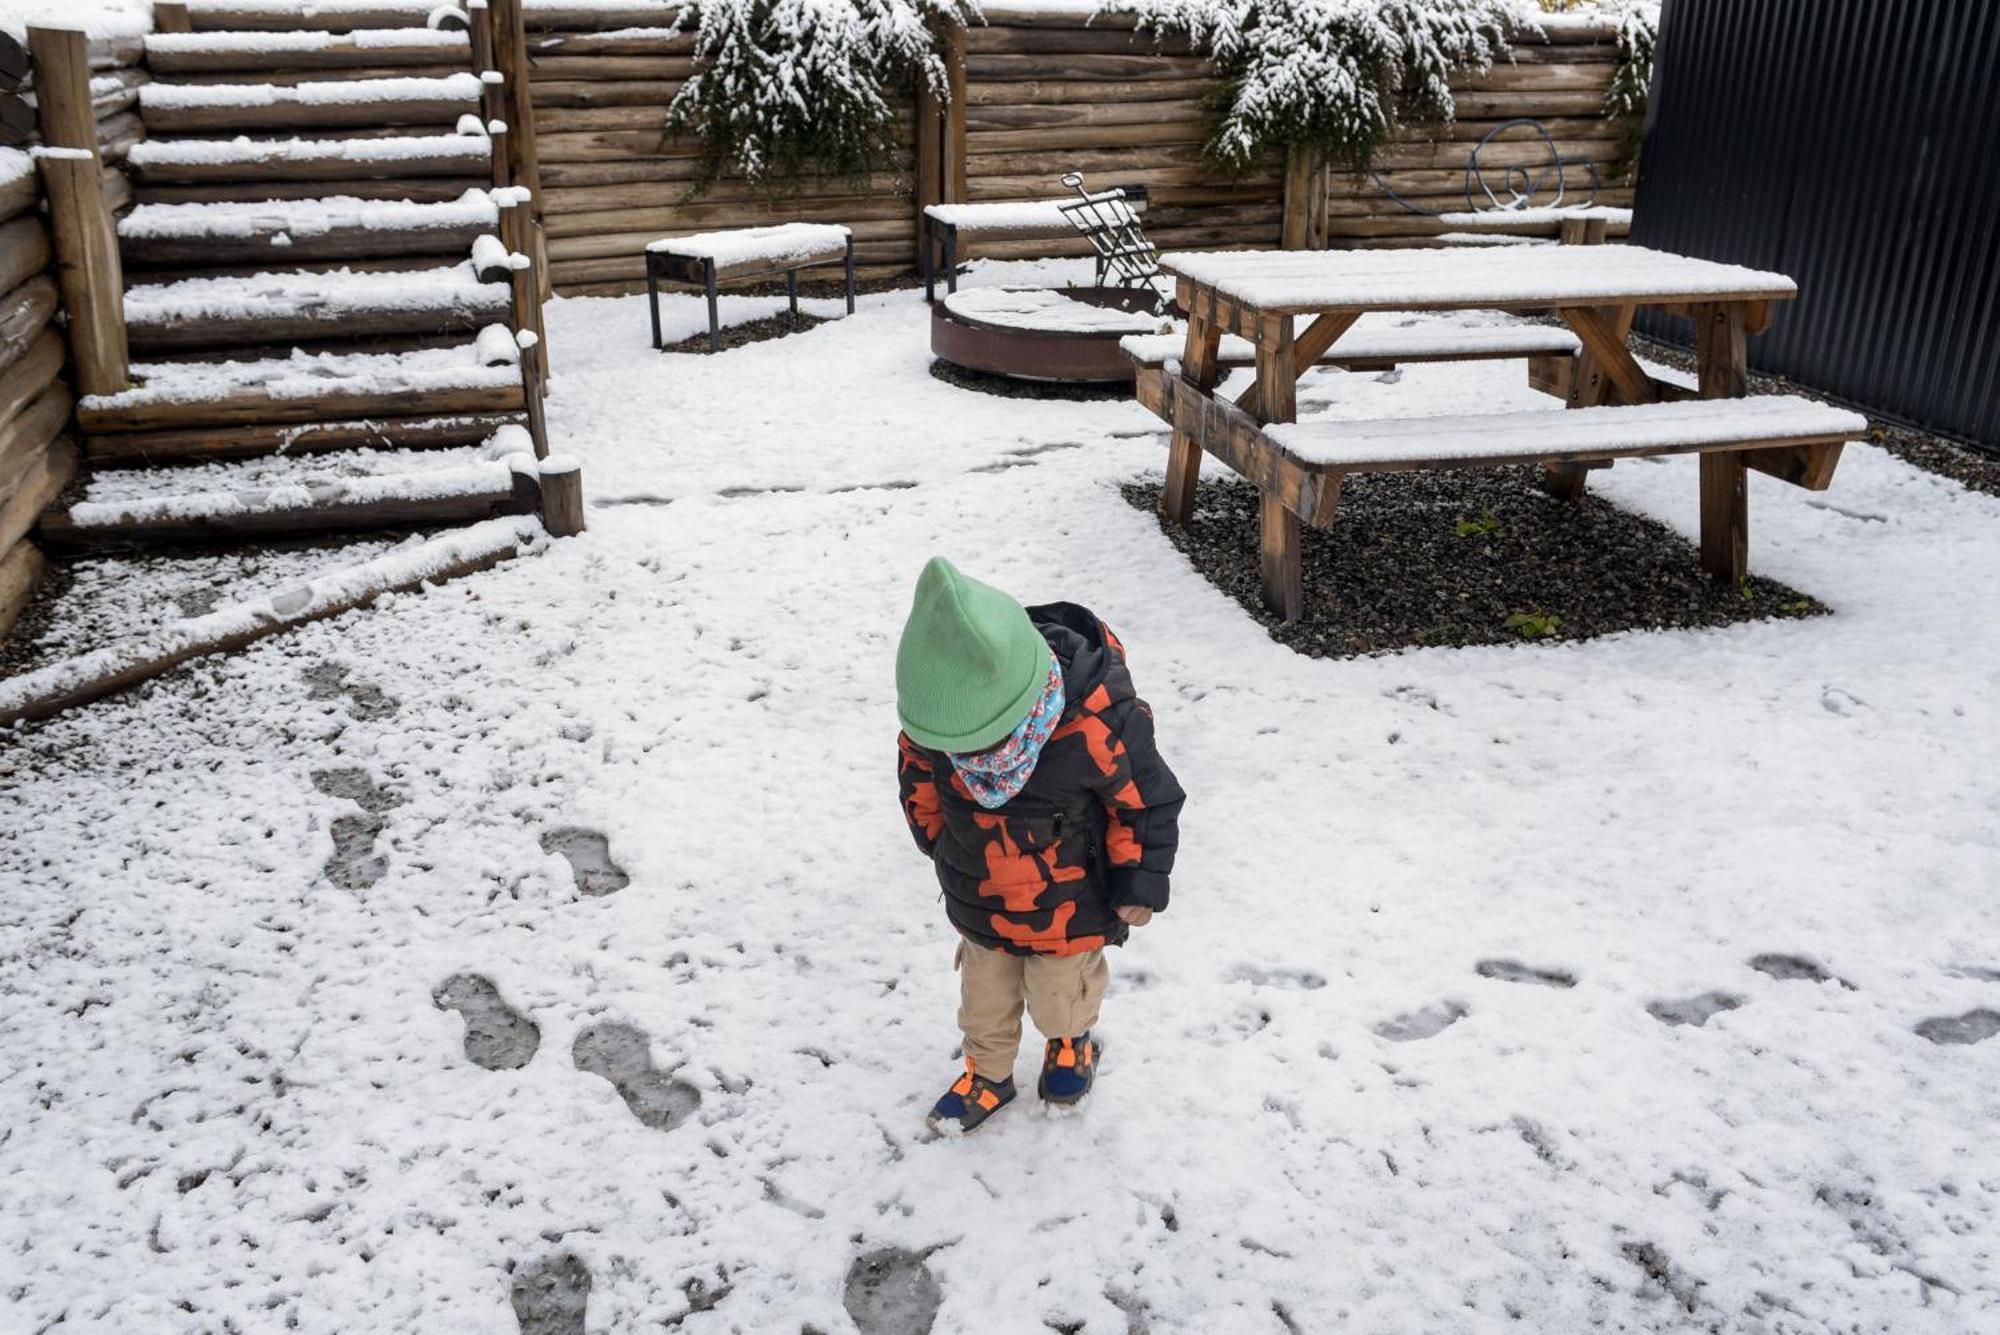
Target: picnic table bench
743,254
1027,220
1375,349
1582,226
1615,409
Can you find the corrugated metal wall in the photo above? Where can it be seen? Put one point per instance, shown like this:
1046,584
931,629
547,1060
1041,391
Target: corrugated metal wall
1855,145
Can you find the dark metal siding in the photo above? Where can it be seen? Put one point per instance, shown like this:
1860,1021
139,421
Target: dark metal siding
1854,145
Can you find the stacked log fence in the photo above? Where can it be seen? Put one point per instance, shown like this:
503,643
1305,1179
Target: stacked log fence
1035,93
38,456
69,101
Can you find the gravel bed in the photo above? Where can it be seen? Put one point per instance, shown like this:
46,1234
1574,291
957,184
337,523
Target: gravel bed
1426,559
755,331
1973,469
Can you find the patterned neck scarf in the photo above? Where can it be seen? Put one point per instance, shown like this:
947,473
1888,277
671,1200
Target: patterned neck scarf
994,776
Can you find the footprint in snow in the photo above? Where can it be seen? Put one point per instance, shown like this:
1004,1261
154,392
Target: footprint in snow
1795,968
355,865
551,1295
497,1036
589,857
1261,977
621,1054
1513,971
1425,1022
328,681
1696,1011
892,1292
1975,1026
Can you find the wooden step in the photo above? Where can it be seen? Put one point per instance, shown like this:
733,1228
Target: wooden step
325,228
201,445
461,495
244,108
284,308
325,15
415,189
171,55
180,395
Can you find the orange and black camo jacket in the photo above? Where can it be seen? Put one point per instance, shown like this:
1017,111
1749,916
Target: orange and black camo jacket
1095,827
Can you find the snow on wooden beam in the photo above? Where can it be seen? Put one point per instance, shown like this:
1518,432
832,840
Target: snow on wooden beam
336,505
92,676
193,445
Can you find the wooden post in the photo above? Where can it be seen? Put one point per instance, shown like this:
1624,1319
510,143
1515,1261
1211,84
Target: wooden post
953,168
1277,526
1722,359
562,496
62,87
1303,212
1199,370
931,138
88,269
510,49
525,306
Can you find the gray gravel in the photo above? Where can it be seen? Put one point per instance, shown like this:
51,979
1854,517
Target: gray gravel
1395,572
1974,469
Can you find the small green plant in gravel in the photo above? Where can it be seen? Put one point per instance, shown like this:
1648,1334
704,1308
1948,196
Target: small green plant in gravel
1486,526
1535,625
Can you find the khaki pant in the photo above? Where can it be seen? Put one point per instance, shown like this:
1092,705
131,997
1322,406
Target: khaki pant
1063,994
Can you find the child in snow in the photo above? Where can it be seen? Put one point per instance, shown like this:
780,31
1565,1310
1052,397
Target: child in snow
1030,780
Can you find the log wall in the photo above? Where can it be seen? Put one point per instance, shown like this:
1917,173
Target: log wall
1040,93
601,80
38,455
1047,93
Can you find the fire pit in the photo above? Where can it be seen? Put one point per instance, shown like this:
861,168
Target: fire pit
1065,334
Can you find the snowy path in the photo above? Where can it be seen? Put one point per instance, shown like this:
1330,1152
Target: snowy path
229,1099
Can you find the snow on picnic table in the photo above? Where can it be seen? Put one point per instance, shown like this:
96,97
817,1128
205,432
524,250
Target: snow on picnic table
1448,278
1329,1101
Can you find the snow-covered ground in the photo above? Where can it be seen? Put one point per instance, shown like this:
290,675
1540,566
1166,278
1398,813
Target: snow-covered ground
1335,1097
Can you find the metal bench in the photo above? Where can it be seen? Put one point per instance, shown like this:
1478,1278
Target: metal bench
744,254
1027,220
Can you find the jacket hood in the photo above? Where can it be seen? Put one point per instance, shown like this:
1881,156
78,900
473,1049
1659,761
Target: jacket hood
1089,654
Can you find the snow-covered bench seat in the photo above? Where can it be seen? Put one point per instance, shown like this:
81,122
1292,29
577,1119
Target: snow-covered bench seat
1379,349
1300,466
744,254
1016,220
1589,225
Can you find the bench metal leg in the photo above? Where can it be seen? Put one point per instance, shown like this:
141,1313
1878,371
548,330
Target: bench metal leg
653,300
792,292
951,259
850,275
714,321
926,260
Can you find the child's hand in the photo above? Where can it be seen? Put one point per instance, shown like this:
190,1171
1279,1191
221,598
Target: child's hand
1134,915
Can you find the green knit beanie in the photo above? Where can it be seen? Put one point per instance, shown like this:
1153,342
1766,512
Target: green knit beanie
970,665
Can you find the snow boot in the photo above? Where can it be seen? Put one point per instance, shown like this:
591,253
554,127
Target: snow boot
1068,1067
971,1100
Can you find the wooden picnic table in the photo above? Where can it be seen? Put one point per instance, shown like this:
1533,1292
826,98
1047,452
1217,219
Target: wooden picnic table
1294,306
